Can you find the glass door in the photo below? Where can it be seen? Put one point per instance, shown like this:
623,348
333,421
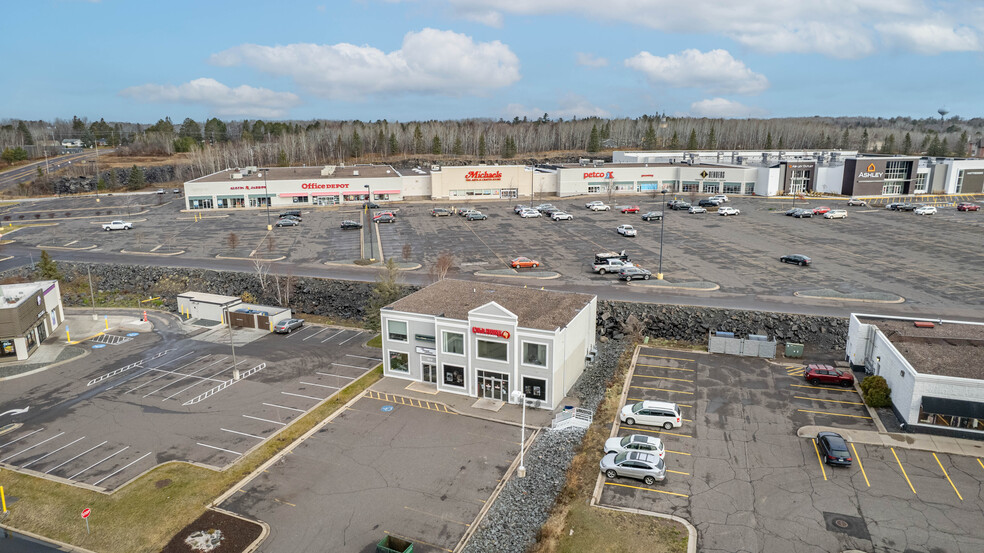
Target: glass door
429,371
493,385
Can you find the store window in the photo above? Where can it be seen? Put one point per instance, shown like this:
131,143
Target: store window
732,188
496,351
31,339
399,362
535,354
535,388
201,203
454,376
690,186
454,342
300,199
380,196
750,188
594,189
920,186
7,348
670,185
960,178
355,197
397,330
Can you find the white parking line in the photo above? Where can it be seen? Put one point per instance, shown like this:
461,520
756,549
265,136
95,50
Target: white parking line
76,457
315,334
197,383
332,336
346,340
320,385
32,447
22,437
338,375
72,477
51,453
299,395
364,357
243,433
352,366
121,469
265,420
157,368
161,365
189,375
219,448
284,407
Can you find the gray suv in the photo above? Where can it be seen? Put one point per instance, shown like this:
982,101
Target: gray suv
634,464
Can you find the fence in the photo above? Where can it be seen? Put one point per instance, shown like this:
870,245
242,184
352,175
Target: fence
753,346
577,417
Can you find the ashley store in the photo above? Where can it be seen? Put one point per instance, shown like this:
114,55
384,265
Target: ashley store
490,340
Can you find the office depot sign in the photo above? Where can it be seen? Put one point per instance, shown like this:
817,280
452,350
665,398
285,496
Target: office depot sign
491,332
471,176
316,186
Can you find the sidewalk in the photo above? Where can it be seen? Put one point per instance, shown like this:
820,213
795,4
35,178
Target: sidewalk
922,442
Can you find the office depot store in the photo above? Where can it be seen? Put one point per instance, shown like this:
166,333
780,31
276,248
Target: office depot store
293,186
489,340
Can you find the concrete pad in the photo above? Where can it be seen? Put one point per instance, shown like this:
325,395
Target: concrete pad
137,325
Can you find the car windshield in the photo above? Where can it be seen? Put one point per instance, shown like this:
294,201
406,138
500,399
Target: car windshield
627,440
621,457
637,407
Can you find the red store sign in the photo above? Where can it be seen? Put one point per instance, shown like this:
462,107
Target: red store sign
492,332
316,186
600,175
483,175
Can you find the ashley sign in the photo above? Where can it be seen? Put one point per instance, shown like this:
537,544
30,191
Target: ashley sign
483,175
491,332
870,172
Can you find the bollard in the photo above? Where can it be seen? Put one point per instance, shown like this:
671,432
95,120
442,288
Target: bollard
145,315
107,323
68,337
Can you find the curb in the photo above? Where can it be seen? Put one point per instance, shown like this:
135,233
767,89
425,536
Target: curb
43,247
413,267
260,259
552,276
264,528
58,544
85,352
860,300
179,252
682,286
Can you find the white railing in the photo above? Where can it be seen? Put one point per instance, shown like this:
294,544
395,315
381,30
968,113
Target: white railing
577,417
225,385
126,368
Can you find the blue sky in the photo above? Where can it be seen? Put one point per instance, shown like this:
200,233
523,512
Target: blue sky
135,60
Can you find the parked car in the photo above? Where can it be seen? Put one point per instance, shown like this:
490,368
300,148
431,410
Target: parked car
677,205
626,230
382,213
803,213
857,201
672,203
117,225
593,203
550,211
524,263
634,464
291,213
287,326
287,223
628,209
833,449
441,212
720,198
543,207
967,206
906,207
603,256
466,211
384,218
370,205
635,442
825,374
835,214
600,207
792,211
796,258
346,225
293,217
820,210
633,273
925,210
175,190
707,202
520,207
160,190
610,266
893,206
476,216
652,216
696,209
561,216
652,413
529,213
728,211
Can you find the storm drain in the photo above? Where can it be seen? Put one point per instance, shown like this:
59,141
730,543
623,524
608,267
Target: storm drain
852,526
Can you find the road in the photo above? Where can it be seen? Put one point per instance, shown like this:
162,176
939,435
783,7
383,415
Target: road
11,178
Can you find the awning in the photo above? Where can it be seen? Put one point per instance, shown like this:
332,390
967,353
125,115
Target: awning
324,193
293,194
955,407
386,192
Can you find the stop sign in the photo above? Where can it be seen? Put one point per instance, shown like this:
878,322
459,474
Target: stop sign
85,513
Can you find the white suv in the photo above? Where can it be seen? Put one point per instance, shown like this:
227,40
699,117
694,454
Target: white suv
652,413
626,230
722,198
591,204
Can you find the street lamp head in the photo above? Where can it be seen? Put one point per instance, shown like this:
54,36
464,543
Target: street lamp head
517,395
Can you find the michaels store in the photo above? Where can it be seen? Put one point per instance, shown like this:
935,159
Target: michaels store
629,178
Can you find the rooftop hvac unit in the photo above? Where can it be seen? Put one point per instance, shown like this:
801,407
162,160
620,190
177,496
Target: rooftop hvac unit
251,169
328,170
235,176
583,162
355,173
435,168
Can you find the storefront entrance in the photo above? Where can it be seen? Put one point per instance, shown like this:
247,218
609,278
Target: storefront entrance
325,200
429,369
493,385
42,331
509,193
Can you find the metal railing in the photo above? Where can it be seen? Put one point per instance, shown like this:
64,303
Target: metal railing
577,417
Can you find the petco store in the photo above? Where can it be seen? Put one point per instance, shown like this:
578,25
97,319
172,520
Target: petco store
490,340
623,178
293,186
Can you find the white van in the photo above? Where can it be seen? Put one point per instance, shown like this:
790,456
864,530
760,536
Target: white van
835,214
652,413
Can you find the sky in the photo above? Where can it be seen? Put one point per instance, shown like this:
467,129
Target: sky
139,61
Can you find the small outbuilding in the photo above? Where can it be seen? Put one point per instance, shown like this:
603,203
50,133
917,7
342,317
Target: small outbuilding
248,315
210,307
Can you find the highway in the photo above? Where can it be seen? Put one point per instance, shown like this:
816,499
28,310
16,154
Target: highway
9,179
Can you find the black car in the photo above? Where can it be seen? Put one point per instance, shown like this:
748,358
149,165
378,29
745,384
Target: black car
833,449
652,216
351,225
296,213
287,223
792,211
803,213
679,204
708,203
801,260
384,218
672,203
370,205
550,211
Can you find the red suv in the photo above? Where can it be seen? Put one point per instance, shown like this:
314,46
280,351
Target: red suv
825,374
967,206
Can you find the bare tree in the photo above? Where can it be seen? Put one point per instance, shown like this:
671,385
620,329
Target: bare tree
271,243
262,270
407,251
440,269
233,241
693,196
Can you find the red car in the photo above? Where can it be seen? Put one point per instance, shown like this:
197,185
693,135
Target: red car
967,206
524,263
381,213
630,209
820,210
825,374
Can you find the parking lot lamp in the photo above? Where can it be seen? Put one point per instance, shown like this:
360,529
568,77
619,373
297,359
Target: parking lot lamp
369,219
521,471
659,272
266,193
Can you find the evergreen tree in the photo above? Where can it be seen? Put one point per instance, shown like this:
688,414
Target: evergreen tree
864,141
418,140
509,148
846,140
934,147
606,131
692,141
394,146
594,141
780,145
136,180
436,145
259,131
907,144
888,147
649,139
47,269
355,145
712,142
78,126
29,140
114,181
944,149
481,145
675,141
245,132
216,131
768,141
381,141
959,151
458,149
163,126
282,160
924,147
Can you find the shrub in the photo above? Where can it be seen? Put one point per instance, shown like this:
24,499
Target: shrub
876,391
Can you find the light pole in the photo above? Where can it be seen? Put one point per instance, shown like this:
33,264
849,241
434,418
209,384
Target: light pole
365,209
266,192
521,471
662,220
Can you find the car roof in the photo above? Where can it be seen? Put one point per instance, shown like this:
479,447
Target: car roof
651,403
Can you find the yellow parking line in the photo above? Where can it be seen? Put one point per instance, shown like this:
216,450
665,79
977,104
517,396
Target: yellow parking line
640,399
647,489
284,502
659,432
822,388
832,414
863,473
678,472
830,400
815,448
664,367
664,357
661,390
947,476
666,378
903,470
980,463
678,453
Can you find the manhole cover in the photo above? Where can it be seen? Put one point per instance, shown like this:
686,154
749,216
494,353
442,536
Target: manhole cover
852,526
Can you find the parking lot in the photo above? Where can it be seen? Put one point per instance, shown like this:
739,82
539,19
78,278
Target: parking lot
137,401
739,473
384,466
927,260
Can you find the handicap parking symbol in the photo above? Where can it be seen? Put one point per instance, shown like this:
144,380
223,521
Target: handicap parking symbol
132,334
386,408
97,346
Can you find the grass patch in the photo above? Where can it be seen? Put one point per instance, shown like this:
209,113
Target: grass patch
675,344
144,515
375,342
323,320
602,530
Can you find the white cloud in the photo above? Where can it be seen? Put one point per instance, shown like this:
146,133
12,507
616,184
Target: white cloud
430,61
591,60
568,107
716,71
724,108
930,38
836,28
220,99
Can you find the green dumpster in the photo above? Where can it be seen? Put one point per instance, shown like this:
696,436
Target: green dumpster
390,544
794,350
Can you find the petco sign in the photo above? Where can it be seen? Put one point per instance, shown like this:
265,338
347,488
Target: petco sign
491,332
483,175
600,175
316,186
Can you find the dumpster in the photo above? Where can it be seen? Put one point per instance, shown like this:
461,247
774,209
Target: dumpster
794,350
391,544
